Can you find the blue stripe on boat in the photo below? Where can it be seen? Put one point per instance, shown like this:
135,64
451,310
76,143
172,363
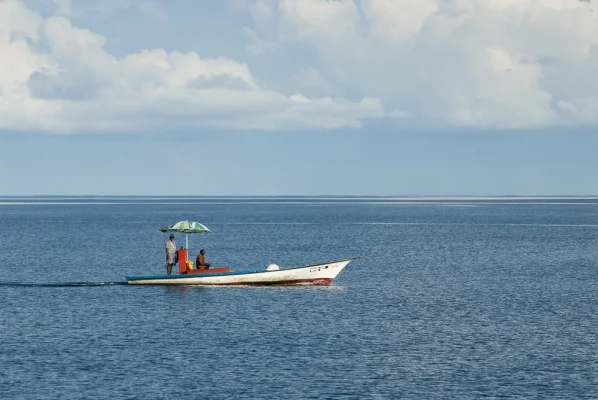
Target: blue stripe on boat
138,278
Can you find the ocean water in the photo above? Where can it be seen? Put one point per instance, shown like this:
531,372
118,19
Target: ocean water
450,300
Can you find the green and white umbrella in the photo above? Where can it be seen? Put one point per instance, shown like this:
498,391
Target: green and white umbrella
185,227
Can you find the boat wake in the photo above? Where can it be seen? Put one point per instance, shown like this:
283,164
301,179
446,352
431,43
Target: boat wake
64,284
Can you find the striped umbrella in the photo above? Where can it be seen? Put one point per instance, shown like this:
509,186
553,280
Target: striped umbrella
185,227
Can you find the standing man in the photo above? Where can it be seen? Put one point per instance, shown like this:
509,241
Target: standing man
170,254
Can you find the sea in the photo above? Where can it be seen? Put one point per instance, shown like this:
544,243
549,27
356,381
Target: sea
451,298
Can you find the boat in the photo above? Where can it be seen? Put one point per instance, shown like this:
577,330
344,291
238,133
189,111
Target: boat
316,274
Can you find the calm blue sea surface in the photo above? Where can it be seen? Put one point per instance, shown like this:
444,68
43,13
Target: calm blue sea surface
449,300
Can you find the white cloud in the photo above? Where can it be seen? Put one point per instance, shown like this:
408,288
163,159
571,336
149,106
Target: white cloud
311,64
511,64
60,78
257,46
63,7
398,20
312,82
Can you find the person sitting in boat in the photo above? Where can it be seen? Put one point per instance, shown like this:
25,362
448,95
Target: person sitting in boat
200,261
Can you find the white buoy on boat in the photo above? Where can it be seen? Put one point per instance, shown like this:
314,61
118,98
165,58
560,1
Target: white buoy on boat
273,267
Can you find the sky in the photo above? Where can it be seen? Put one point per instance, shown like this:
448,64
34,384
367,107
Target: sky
298,97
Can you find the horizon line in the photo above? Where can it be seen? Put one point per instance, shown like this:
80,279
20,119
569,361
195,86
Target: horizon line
324,196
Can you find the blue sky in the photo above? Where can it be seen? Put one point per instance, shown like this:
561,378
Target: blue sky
310,97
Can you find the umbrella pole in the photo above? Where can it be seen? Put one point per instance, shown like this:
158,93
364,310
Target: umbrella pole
186,242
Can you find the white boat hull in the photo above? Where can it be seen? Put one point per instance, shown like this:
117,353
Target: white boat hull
319,274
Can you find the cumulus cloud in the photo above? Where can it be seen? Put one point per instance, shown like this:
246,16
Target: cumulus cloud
430,64
60,78
510,64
